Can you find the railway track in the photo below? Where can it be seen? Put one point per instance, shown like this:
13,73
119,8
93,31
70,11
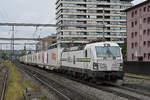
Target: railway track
129,89
138,84
63,92
3,81
138,87
112,88
128,93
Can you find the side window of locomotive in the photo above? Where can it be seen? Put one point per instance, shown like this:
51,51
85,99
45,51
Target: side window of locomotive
85,53
74,61
88,53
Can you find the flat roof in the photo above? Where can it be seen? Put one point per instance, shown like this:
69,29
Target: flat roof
138,5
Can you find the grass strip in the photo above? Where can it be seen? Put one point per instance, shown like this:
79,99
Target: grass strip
16,85
14,90
137,76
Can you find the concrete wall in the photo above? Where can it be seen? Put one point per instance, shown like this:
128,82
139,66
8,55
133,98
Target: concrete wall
139,68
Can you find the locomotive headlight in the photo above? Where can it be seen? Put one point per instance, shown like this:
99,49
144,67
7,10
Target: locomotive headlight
95,66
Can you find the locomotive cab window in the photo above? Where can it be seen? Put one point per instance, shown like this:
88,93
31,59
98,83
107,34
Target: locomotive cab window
108,51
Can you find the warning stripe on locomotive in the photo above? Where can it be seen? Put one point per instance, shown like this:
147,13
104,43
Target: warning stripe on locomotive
83,59
78,59
63,59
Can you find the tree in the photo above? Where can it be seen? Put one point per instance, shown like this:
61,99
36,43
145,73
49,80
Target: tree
3,55
29,52
23,52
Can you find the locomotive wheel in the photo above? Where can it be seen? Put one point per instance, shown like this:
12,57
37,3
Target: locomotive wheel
92,80
75,74
86,78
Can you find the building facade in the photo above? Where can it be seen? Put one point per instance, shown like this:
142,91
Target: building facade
81,21
44,44
138,32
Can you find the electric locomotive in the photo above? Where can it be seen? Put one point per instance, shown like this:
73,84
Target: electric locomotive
101,61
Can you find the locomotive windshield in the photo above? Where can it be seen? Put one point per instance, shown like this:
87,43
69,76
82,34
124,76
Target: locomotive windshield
105,51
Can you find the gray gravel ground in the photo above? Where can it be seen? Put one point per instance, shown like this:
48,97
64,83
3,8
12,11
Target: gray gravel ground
142,82
45,92
92,92
131,93
83,89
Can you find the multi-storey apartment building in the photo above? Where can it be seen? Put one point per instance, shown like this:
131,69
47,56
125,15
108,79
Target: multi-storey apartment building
138,32
81,21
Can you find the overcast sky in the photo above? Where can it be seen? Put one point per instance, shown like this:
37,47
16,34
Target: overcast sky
28,11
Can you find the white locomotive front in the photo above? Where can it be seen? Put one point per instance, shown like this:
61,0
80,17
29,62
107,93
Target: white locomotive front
101,60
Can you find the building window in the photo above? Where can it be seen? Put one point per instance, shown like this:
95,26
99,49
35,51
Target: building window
132,56
135,12
136,44
144,20
148,20
144,9
132,15
148,56
144,43
132,24
148,8
132,35
144,32
148,44
144,55
135,23
132,45
135,34
148,32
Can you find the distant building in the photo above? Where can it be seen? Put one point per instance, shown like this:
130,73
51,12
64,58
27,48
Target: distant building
74,16
138,32
46,42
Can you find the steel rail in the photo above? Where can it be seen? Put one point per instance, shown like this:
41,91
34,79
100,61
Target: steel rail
43,82
4,86
97,86
128,89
